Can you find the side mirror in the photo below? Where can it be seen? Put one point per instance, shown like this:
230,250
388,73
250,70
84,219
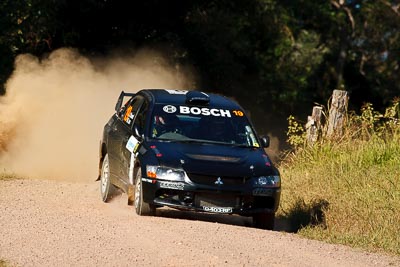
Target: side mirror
265,141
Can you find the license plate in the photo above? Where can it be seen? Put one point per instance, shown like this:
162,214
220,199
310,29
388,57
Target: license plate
218,209
172,185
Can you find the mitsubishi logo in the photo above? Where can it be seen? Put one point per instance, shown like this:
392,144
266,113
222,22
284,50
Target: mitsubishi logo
219,181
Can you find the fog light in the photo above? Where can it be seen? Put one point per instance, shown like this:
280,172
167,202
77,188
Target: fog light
188,198
272,180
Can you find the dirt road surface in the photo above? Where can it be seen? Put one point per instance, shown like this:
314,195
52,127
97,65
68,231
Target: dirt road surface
53,223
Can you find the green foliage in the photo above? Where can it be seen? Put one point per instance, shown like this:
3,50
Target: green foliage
352,184
372,122
296,133
379,48
275,56
25,26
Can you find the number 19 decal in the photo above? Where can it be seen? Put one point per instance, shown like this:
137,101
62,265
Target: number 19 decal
238,113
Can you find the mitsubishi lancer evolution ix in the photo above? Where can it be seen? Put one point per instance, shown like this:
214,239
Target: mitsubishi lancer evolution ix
188,150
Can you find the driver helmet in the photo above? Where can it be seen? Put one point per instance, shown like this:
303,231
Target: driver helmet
167,122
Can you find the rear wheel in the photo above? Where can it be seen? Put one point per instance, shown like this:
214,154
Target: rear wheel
106,188
264,220
142,208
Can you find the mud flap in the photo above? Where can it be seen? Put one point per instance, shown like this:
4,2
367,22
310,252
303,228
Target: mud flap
131,195
131,189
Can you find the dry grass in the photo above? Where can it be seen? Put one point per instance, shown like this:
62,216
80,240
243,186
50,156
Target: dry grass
346,191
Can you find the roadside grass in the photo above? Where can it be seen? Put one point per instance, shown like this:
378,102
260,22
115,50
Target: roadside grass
8,176
347,191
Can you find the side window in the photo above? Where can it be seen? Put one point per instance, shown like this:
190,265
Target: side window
141,117
122,110
130,111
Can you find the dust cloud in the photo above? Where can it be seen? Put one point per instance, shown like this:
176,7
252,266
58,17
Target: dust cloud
52,116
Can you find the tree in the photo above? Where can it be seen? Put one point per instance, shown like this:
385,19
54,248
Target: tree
277,57
25,26
361,46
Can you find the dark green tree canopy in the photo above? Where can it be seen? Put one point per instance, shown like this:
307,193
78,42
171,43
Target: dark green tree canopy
277,57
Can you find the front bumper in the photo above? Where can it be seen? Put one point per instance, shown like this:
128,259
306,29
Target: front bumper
246,199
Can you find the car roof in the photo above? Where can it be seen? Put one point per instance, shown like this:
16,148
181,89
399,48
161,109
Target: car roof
178,97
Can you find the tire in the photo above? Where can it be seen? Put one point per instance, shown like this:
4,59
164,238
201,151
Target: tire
142,208
106,188
264,221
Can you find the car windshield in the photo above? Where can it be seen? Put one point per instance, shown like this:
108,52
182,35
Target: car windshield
202,124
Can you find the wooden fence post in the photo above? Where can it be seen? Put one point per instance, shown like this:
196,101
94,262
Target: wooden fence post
337,113
313,125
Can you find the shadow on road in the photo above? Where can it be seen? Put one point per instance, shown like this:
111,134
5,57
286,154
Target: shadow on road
280,224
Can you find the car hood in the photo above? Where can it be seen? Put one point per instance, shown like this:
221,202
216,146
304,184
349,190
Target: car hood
213,159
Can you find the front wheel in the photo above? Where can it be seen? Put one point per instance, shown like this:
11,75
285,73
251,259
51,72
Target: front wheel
264,221
142,208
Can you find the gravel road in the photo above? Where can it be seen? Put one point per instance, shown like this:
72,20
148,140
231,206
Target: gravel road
53,223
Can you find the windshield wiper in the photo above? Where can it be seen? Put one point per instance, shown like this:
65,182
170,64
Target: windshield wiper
242,145
194,141
214,143
202,141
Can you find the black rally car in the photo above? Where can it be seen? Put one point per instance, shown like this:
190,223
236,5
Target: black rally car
191,151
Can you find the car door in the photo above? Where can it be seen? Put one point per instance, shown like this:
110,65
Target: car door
119,133
124,133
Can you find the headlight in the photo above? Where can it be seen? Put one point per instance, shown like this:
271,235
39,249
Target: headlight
271,181
165,173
